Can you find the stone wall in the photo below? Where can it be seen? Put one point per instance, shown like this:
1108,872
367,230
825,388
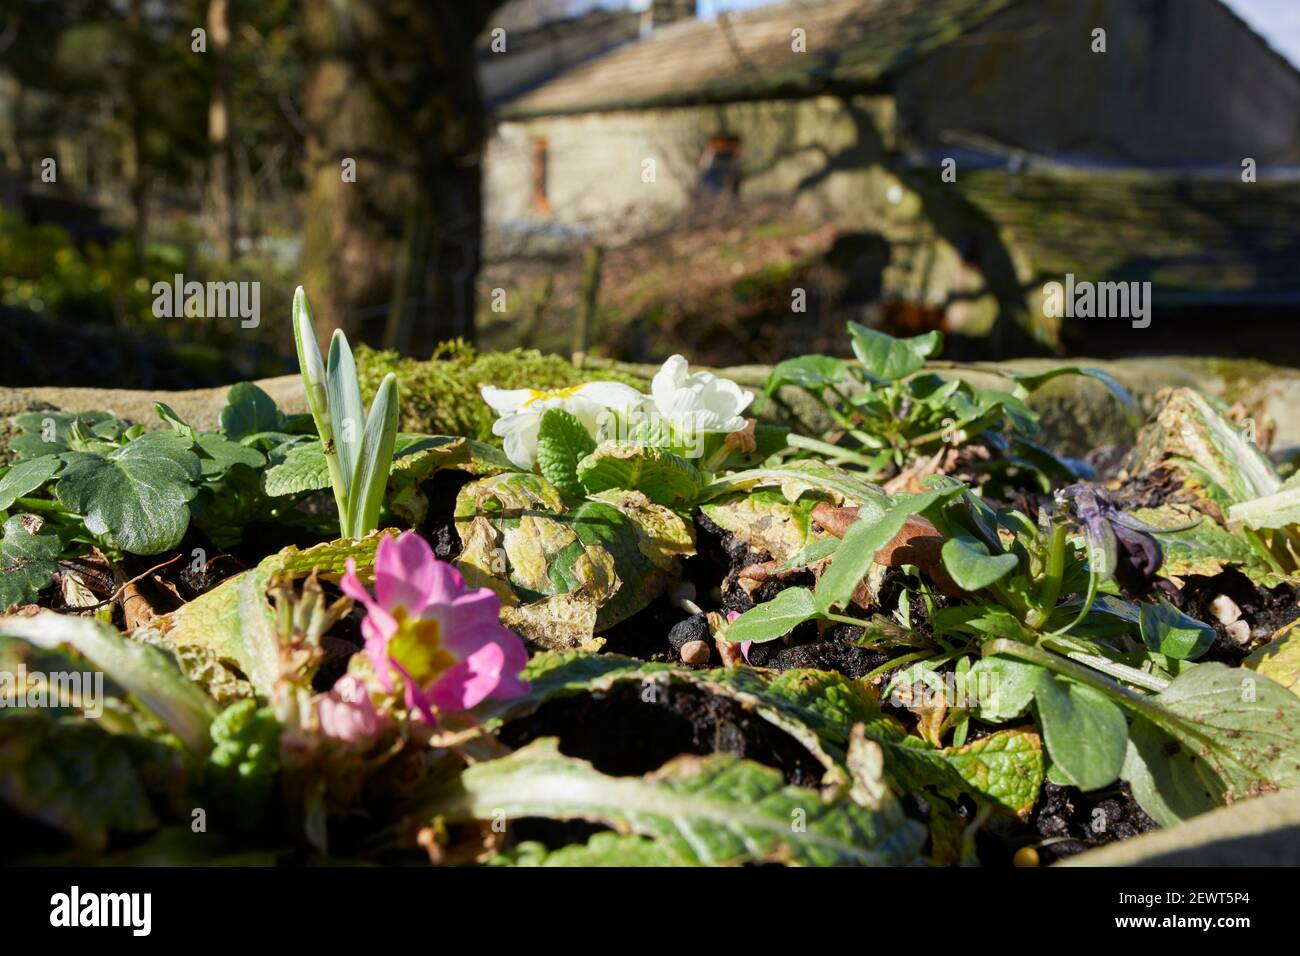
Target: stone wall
824,155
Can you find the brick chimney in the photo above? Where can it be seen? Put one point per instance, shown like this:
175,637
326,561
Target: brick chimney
661,12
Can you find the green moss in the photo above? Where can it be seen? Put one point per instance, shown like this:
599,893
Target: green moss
441,396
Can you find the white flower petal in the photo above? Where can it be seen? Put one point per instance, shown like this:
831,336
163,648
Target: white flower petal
611,394
504,401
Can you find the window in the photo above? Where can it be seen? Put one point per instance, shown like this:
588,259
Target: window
720,167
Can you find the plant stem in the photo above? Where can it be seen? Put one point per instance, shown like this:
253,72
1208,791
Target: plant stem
40,505
1104,664
1068,668
1049,586
826,448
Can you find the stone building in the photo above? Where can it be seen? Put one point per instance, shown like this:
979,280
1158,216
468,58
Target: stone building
994,144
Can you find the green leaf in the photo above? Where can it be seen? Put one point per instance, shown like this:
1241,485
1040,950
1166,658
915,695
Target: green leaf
707,811
303,469
817,708
797,477
374,459
660,475
1271,511
1233,731
1006,687
1004,768
773,619
866,536
813,372
80,780
981,620
219,454
234,621
347,414
1167,780
603,849
527,541
250,411
49,432
765,521
1132,411
562,442
137,496
26,476
150,675
1086,733
1279,659
27,562
971,566
1167,630
178,424
888,359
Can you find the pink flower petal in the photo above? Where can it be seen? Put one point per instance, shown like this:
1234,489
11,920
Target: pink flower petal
472,679
446,584
405,573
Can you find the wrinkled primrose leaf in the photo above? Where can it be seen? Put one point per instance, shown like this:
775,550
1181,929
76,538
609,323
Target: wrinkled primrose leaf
1167,630
234,621
663,477
603,849
562,442
1188,432
149,674
707,811
768,522
796,477
612,554
80,780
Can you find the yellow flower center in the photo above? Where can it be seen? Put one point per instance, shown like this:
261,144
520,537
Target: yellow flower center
417,646
541,395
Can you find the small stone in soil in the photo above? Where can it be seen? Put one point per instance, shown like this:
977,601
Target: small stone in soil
696,653
692,629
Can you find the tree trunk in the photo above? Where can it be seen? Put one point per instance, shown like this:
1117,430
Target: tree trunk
138,160
392,92
221,170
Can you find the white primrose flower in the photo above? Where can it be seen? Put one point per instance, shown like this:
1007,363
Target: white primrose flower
698,403
520,411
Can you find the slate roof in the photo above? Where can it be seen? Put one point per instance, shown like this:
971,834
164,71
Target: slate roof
851,44
1200,240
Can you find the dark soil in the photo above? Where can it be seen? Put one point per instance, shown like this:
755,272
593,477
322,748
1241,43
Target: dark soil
635,729
1070,821
440,525
1265,610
